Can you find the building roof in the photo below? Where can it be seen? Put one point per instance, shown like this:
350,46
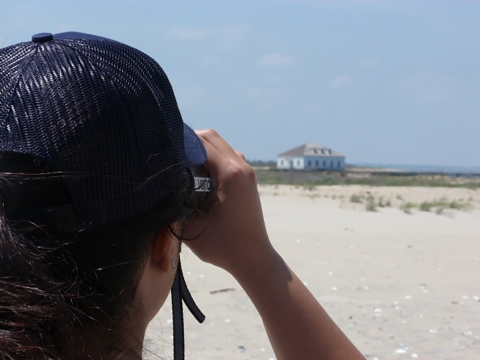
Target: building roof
310,150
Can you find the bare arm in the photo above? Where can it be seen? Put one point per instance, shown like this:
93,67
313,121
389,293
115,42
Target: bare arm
234,238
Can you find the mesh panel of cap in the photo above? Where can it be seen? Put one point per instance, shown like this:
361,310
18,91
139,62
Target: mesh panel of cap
99,111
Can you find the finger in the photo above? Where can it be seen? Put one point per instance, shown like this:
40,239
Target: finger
214,139
241,155
216,162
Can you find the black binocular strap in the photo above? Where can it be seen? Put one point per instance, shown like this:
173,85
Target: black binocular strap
181,293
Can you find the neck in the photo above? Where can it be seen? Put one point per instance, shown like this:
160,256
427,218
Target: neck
131,347
127,346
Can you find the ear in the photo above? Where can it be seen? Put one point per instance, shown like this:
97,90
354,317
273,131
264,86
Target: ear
165,251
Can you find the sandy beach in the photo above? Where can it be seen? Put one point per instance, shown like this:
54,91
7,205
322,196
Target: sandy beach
401,283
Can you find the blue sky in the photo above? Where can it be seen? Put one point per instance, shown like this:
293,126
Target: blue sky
392,82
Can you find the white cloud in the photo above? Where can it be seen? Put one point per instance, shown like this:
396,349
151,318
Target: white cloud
340,81
277,60
187,33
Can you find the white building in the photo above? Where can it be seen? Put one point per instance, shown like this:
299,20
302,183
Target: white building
311,157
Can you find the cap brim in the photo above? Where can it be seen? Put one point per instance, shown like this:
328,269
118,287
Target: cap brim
195,152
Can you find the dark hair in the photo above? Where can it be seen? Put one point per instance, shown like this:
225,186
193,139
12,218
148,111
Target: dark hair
58,290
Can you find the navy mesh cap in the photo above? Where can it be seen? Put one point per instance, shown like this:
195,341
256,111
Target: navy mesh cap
102,113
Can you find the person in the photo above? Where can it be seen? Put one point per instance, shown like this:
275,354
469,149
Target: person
97,198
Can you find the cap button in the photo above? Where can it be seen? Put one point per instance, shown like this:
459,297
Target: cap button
42,37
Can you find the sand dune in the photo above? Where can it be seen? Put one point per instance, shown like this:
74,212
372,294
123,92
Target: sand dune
399,285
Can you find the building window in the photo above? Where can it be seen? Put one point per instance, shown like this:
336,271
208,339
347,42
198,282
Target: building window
324,163
331,163
309,163
316,163
338,164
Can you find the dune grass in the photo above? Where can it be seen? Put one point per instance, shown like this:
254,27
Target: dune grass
438,205
322,178
407,207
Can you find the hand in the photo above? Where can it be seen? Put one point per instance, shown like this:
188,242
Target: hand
232,233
